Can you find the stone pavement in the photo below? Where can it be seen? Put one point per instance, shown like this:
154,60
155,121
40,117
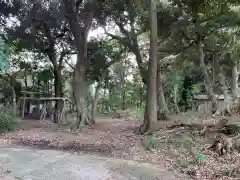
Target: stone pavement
34,164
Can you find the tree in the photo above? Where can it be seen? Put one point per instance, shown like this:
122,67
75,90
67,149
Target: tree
46,35
101,54
205,18
131,19
150,116
12,87
80,16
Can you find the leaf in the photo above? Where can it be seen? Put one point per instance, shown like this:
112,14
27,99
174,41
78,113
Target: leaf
150,142
200,157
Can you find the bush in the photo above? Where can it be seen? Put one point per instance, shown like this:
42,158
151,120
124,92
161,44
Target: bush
8,122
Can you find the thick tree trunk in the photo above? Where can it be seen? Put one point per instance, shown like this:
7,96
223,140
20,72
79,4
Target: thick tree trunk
58,91
80,92
208,84
150,116
200,44
227,99
161,102
94,104
80,35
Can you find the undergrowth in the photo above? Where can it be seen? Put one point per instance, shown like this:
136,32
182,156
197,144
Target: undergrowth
8,122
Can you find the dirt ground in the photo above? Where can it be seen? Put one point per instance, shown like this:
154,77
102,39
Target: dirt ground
116,138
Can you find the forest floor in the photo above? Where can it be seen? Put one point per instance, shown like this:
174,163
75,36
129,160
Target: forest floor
116,138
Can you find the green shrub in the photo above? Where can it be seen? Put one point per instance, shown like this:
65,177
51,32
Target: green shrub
8,122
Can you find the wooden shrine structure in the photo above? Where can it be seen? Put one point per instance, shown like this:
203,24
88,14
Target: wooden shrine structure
36,107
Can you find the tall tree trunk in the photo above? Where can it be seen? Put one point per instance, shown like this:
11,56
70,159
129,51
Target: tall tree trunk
162,105
175,90
95,103
80,94
14,105
200,44
150,116
58,91
227,99
161,102
80,35
235,77
208,84
122,86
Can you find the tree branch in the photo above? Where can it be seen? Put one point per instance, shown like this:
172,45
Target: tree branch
70,65
60,61
121,40
51,49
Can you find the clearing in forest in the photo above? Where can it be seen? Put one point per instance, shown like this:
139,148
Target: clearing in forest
118,138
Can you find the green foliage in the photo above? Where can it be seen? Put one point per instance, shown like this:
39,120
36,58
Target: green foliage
101,55
125,12
5,53
45,75
174,86
150,142
8,122
200,158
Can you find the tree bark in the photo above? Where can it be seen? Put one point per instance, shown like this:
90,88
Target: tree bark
200,44
58,88
58,91
161,102
14,105
227,99
122,86
80,89
94,104
139,59
208,84
57,68
80,35
235,76
175,90
150,116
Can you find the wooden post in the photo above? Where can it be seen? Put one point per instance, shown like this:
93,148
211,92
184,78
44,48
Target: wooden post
23,106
